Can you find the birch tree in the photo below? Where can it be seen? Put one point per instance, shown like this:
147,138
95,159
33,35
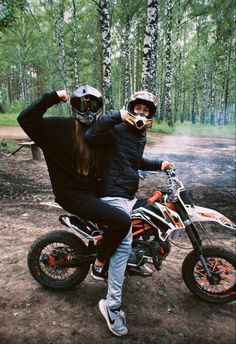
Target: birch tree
149,63
177,63
222,95
75,44
203,115
106,52
213,90
194,94
227,82
168,109
57,12
127,53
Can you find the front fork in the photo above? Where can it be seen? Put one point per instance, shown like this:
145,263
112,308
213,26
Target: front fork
194,237
196,241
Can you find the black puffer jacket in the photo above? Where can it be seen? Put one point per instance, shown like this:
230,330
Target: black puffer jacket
124,146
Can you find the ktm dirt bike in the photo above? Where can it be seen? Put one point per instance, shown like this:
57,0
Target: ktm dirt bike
61,259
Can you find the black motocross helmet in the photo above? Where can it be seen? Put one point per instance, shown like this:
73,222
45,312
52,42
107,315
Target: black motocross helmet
86,102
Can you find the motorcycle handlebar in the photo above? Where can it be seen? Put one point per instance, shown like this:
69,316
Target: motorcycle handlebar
170,172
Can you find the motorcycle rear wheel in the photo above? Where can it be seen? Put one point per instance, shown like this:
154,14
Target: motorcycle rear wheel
222,264
42,252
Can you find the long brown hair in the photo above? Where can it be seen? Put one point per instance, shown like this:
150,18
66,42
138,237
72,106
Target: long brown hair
83,156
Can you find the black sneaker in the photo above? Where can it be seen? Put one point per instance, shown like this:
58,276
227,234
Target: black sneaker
99,273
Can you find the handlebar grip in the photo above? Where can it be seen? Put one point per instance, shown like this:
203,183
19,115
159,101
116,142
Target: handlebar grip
157,196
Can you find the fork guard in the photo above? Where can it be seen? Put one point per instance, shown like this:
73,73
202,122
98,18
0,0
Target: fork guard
201,214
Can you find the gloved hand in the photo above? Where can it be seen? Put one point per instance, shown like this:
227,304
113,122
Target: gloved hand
166,165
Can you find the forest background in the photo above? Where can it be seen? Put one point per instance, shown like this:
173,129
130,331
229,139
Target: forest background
183,51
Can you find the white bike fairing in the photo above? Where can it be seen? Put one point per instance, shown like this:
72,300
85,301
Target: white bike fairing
201,214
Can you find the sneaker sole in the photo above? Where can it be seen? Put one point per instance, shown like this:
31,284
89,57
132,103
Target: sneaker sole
97,278
103,310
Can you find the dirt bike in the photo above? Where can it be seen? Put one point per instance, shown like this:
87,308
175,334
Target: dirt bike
61,259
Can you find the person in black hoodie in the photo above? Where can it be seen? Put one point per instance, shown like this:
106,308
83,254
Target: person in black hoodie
74,172
122,135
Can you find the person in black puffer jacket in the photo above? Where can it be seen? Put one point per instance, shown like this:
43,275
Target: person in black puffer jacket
124,142
122,135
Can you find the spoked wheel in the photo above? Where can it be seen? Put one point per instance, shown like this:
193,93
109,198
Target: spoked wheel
51,257
221,286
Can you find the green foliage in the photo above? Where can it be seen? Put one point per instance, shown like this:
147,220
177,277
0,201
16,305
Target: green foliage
8,119
8,146
30,54
9,10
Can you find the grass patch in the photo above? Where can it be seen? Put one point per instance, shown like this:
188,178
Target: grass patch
8,119
187,128
8,146
190,129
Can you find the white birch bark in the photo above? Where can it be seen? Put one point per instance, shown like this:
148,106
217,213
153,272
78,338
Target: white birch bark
59,35
106,49
204,117
213,90
150,41
227,83
20,74
168,80
75,45
194,94
127,60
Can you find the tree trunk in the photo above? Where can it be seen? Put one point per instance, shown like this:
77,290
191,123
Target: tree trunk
153,76
127,58
62,45
168,80
203,116
135,71
75,44
106,48
177,64
194,95
59,35
227,84
150,46
213,89
20,74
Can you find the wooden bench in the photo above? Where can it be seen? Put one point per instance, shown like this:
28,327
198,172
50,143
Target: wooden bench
36,152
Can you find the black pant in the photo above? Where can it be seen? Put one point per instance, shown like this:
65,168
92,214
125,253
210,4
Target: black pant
91,208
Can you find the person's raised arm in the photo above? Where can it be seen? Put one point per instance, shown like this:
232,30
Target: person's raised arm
31,118
99,133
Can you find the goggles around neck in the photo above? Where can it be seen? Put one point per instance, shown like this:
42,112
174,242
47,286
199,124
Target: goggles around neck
140,120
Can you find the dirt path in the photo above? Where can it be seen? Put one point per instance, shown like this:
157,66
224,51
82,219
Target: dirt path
12,133
160,309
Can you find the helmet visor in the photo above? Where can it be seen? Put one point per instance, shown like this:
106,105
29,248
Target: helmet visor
86,104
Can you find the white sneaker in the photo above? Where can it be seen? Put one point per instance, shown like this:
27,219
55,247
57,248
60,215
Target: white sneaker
142,270
115,319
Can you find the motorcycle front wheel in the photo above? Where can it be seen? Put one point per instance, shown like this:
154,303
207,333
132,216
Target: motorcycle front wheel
221,286
47,255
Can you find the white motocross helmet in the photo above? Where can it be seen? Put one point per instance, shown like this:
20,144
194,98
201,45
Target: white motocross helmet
86,102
